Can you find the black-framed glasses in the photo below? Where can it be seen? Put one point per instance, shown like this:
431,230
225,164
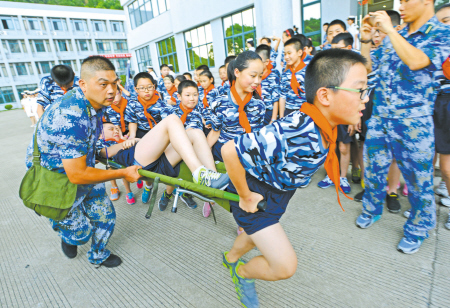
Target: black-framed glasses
147,89
363,92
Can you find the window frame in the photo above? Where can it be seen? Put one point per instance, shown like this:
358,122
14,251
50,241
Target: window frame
88,44
82,21
142,64
14,22
15,72
116,22
98,21
242,35
63,22
103,42
317,32
138,10
39,67
10,95
189,50
115,42
168,55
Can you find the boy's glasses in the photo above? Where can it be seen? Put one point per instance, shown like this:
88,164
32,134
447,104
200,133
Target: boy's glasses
363,92
148,89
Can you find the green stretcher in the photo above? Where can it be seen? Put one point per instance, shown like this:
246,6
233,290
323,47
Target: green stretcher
184,184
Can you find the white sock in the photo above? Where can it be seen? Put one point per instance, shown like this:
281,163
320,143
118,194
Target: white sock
197,171
148,186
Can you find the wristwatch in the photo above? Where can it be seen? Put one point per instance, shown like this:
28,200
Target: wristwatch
366,41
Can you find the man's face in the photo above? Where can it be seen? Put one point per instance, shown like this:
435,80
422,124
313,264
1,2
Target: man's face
111,132
411,10
444,16
189,97
291,55
145,89
333,31
346,106
341,45
165,71
100,88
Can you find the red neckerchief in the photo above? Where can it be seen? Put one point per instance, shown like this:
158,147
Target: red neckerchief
120,109
186,111
243,119
295,85
151,102
266,74
205,100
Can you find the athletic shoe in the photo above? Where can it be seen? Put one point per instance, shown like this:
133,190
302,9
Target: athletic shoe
212,179
356,176
69,250
306,184
146,194
447,225
112,261
130,198
188,200
245,288
409,245
239,231
398,186
164,201
441,190
114,194
359,196
345,185
206,211
407,213
228,264
364,220
140,184
405,190
392,203
325,183
445,201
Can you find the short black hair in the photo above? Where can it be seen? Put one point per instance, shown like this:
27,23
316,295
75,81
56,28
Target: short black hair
303,39
208,74
337,22
186,84
329,68
263,51
222,66
395,17
62,74
93,64
143,75
187,73
229,59
346,37
202,67
294,42
267,39
325,24
170,77
444,6
180,78
163,66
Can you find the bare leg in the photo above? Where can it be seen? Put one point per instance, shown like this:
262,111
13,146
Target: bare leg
114,183
154,143
444,164
127,185
278,260
345,158
393,177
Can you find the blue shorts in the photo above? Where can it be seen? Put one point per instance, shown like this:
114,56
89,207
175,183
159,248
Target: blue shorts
217,151
161,165
268,117
289,111
441,120
343,135
277,201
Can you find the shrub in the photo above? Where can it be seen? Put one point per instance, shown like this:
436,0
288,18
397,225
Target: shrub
8,107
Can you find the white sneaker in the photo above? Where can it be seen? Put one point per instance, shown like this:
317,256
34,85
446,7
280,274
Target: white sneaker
445,201
441,190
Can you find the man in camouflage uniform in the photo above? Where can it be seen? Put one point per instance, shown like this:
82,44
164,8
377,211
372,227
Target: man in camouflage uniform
67,134
401,126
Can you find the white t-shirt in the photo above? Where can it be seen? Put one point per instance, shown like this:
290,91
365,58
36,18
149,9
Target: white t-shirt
353,30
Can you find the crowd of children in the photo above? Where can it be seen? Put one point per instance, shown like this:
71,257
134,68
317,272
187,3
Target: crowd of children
366,99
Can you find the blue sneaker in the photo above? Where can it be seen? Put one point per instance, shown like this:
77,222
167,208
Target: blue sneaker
245,288
409,245
188,200
345,185
325,183
228,264
364,220
146,194
164,201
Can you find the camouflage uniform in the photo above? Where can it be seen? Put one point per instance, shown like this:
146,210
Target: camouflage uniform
210,97
49,91
134,113
402,127
69,129
270,88
224,89
193,119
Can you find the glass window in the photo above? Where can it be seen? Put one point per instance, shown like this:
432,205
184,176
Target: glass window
117,26
44,67
39,45
58,24
238,28
9,23
199,47
33,23
84,45
14,46
103,46
7,95
141,11
311,20
26,87
62,45
21,69
120,46
3,72
99,25
79,25
143,58
168,53
71,63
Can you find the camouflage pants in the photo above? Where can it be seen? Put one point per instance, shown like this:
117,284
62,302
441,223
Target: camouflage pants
92,215
411,142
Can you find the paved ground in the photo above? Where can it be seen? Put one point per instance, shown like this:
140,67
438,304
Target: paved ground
174,260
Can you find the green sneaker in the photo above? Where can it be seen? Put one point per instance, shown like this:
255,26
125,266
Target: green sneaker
356,176
213,179
245,288
228,264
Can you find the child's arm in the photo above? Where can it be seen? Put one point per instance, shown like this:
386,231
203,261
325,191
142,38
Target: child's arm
277,40
248,199
212,137
282,106
112,150
124,91
274,112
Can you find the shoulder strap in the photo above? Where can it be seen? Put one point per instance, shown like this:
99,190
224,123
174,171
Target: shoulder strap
36,153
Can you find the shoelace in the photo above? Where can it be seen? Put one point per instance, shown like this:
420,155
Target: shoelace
214,175
205,178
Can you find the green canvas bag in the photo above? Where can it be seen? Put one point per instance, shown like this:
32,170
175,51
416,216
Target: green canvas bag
48,193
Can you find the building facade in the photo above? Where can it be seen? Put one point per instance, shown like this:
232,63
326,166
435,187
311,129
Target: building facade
34,37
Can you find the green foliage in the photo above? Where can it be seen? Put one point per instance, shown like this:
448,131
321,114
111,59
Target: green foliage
8,107
123,78
312,25
100,4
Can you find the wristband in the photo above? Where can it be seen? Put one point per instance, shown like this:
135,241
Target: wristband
366,41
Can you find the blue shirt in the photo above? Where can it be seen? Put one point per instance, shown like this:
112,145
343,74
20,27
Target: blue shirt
271,90
161,88
284,154
283,62
68,129
225,116
101,144
444,83
210,97
134,113
273,57
168,101
49,91
294,101
113,116
401,92
225,88
193,119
